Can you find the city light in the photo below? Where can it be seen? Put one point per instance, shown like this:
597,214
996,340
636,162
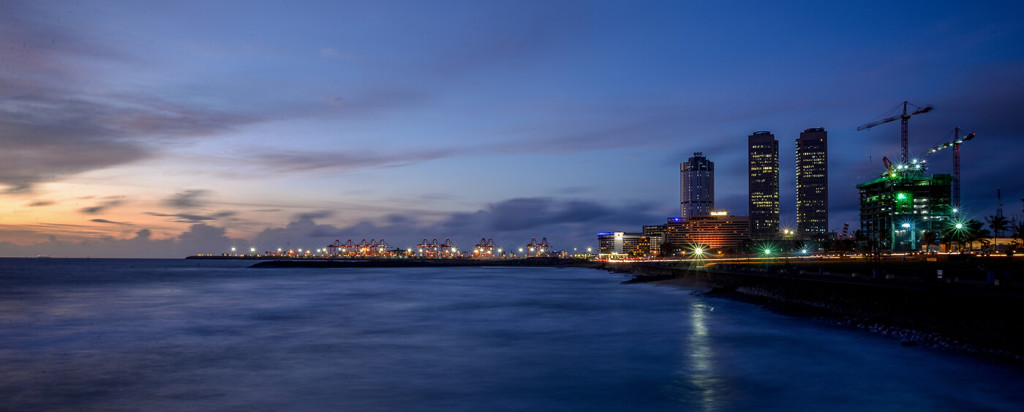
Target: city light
698,251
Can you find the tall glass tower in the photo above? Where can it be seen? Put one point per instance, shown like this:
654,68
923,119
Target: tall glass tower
812,184
763,184
696,186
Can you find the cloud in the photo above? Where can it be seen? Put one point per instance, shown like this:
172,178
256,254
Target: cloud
189,199
199,238
511,223
566,223
94,210
52,125
305,161
40,203
194,218
107,221
319,214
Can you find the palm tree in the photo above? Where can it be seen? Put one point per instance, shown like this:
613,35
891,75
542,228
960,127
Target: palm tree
998,224
969,232
976,232
1018,230
952,233
930,238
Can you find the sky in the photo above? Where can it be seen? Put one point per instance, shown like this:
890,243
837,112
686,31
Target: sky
164,129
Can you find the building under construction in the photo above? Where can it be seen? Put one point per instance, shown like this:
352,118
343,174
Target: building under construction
900,208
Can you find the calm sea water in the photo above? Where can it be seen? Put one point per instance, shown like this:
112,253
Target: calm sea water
178,335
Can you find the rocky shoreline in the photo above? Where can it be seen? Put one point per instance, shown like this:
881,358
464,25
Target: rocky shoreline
944,319
865,320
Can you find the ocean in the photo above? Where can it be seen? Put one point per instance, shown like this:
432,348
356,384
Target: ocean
173,335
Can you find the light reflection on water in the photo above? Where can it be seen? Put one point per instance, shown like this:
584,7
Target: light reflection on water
701,354
175,335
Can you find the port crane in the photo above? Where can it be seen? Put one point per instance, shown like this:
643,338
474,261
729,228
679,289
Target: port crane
955,144
903,126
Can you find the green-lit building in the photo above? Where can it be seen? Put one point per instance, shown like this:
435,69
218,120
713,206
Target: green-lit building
897,209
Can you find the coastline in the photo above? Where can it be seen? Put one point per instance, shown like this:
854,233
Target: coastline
974,320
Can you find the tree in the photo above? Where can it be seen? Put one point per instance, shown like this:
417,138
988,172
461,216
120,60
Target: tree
667,249
1018,231
930,238
998,224
976,232
967,233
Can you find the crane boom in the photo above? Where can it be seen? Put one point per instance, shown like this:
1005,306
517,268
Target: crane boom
903,126
876,123
955,144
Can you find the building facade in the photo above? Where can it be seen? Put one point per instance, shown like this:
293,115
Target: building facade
719,231
763,184
696,186
812,184
622,244
898,209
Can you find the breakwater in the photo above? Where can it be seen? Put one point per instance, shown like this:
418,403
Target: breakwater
908,302
413,262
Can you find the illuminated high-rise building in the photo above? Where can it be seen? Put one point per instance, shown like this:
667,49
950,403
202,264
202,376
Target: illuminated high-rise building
763,184
899,209
812,184
696,186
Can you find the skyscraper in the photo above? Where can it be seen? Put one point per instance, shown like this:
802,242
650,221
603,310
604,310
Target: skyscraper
696,186
812,183
763,184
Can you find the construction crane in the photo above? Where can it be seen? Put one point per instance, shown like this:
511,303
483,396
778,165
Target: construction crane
903,126
888,164
955,144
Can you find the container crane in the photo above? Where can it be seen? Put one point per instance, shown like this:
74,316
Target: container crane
903,126
955,144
